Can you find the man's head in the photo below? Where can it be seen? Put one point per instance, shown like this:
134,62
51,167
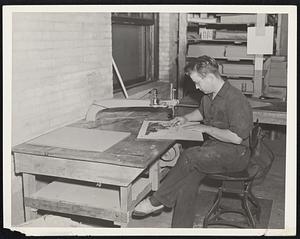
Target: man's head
205,73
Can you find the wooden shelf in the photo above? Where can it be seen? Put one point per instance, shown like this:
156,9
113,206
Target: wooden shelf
218,23
237,76
237,42
234,49
225,58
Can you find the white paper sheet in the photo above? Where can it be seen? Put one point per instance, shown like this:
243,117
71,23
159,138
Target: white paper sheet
80,139
166,132
257,44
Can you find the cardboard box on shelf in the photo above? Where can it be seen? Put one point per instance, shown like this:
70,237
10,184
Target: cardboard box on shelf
231,35
238,69
276,92
233,51
239,18
246,86
213,50
276,64
277,73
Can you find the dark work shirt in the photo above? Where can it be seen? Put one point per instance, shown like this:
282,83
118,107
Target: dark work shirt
229,109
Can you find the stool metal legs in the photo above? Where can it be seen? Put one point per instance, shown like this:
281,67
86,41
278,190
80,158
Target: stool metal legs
213,216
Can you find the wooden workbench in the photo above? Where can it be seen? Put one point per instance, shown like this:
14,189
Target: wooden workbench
275,113
105,185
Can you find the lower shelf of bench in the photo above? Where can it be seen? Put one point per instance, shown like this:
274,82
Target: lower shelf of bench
83,200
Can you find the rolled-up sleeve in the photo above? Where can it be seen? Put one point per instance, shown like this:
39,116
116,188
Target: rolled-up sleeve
240,118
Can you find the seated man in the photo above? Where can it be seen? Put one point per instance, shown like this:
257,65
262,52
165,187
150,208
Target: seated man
226,118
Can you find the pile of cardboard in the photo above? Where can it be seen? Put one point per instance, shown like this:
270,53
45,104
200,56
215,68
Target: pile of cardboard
276,78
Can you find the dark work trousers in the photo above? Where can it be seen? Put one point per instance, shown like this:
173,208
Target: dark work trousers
179,189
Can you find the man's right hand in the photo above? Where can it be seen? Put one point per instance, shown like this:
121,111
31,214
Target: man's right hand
178,121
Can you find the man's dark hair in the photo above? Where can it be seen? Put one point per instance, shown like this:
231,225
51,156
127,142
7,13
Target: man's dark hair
203,65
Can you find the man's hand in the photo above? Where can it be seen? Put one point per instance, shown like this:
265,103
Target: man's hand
178,121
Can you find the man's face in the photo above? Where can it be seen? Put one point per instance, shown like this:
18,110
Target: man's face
202,83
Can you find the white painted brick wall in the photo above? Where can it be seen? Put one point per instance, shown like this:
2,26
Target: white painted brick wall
61,63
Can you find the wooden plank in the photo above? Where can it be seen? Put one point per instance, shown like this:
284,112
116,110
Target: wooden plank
75,169
154,175
258,75
140,188
79,199
270,117
81,210
131,153
182,44
29,187
125,198
80,138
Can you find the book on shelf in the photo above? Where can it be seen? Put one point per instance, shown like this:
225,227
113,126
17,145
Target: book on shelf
213,50
202,20
239,19
245,86
233,51
238,69
230,35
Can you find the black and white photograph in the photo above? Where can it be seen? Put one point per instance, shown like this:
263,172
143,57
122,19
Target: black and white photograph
91,94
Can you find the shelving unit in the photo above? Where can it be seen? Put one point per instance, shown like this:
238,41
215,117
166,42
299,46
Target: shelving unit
226,40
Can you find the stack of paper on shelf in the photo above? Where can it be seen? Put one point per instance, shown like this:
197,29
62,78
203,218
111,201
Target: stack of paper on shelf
243,85
276,78
233,51
239,18
278,72
231,35
238,69
213,50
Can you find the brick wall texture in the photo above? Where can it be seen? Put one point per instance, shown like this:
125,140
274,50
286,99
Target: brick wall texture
61,63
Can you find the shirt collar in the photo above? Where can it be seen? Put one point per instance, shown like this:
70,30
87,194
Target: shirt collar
222,91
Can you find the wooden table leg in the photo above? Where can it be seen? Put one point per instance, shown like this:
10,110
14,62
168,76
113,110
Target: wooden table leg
125,205
29,187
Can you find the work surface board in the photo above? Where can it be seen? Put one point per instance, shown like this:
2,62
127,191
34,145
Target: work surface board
80,139
130,151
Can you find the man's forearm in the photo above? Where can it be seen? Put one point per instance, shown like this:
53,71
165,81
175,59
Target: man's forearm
224,135
194,116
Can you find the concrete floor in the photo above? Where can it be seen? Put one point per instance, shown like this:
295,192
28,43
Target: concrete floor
273,187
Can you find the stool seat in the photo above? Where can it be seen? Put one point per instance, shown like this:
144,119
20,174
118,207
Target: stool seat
245,175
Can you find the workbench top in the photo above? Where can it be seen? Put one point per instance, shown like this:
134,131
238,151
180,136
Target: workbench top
131,152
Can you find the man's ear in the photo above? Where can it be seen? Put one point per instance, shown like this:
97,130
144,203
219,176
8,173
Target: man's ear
210,76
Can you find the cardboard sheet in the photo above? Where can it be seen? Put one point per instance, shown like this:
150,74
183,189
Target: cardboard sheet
260,44
163,130
80,139
212,50
256,103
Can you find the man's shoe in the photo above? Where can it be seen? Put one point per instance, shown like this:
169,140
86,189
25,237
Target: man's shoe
145,208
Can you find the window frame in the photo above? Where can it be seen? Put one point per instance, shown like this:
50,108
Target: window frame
151,51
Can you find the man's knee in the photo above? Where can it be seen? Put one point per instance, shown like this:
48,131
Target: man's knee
188,155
